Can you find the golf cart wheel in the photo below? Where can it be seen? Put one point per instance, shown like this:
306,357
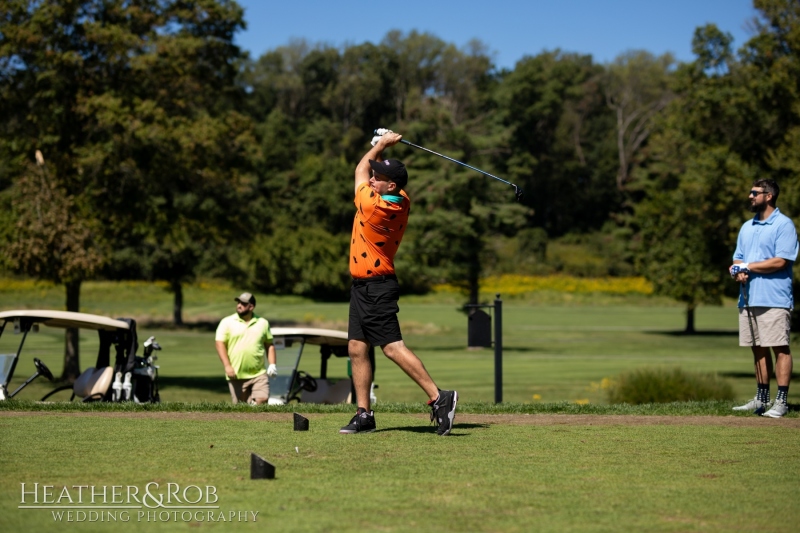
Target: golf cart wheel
59,389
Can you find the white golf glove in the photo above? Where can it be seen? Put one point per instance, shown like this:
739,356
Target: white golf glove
380,132
272,371
741,268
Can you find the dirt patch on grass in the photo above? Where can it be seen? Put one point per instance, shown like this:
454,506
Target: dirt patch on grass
627,420
524,420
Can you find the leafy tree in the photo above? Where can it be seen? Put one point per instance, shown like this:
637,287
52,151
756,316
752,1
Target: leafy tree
687,220
317,131
133,105
456,212
725,129
560,149
52,236
636,87
191,149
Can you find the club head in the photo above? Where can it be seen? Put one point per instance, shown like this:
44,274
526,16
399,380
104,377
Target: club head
519,193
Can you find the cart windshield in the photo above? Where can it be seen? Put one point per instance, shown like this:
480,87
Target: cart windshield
288,350
6,362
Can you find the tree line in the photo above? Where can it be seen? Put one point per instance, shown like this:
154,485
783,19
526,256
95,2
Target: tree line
168,153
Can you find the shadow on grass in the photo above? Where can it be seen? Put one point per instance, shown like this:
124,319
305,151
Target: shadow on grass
703,333
204,383
749,375
432,429
488,350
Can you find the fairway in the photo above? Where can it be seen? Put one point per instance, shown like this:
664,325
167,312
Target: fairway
552,353
553,457
495,473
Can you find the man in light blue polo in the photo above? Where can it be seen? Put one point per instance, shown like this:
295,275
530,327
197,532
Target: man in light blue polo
243,340
765,251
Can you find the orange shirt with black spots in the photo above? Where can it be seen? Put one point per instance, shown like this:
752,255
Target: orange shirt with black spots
377,232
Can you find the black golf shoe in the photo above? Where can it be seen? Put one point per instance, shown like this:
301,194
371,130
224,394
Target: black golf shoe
443,411
361,423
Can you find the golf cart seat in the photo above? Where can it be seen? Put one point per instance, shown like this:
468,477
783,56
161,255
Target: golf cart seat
119,373
93,383
339,392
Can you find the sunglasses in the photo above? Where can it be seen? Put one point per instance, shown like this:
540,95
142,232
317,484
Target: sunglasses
756,193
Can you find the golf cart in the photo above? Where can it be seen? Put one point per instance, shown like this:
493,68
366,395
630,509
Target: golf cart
129,378
292,384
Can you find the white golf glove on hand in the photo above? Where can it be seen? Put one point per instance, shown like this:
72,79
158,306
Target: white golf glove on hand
380,132
740,268
272,371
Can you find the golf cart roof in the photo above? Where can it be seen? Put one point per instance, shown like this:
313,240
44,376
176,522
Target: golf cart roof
65,319
313,335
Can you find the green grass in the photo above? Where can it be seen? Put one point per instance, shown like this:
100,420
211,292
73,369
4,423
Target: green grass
485,477
554,352
564,476
686,408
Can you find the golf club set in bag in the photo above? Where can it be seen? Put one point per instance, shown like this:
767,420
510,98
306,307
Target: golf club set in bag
518,192
131,378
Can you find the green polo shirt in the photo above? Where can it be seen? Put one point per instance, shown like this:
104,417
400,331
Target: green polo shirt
245,343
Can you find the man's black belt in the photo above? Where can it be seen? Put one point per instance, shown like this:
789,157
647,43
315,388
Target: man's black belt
364,281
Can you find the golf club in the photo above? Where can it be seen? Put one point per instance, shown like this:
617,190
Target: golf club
518,192
760,410
749,316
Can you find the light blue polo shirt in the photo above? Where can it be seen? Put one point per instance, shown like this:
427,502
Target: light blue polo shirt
764,239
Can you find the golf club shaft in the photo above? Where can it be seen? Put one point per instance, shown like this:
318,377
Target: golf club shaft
457,161
749,316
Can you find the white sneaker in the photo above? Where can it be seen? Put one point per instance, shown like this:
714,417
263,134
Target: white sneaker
753,405
778,410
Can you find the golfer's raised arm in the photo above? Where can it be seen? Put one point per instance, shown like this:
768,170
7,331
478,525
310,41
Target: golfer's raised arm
363,169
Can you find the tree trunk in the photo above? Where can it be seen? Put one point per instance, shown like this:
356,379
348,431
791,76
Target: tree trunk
177,306
689,320
72,365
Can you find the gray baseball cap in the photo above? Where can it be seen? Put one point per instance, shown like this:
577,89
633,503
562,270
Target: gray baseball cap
246,298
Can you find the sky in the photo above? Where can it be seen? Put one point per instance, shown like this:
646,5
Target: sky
512,29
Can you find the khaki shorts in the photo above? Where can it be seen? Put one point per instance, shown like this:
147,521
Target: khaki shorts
244,390
771,326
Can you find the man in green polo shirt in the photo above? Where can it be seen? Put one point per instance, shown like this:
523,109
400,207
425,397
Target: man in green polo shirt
243,339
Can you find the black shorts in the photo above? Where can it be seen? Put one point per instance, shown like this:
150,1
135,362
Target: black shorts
373,310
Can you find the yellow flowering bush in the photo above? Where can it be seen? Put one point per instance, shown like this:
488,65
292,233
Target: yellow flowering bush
514,284
12,285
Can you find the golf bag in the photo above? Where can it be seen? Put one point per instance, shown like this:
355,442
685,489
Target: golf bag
135,378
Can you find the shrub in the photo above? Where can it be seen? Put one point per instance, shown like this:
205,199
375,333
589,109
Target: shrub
512,284
658,385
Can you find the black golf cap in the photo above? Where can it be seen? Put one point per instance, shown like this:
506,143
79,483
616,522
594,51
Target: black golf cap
392,169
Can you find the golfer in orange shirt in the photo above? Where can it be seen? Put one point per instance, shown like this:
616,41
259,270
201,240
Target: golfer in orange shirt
382,208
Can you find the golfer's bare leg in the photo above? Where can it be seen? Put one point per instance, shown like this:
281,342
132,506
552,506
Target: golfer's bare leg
362,371
783,365
411,365
763,363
